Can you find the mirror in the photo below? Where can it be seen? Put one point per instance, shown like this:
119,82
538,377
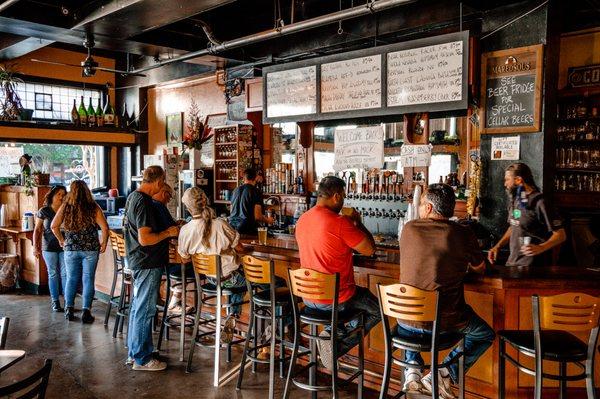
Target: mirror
284,144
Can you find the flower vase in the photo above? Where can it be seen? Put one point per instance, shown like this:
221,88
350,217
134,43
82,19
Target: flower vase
195,156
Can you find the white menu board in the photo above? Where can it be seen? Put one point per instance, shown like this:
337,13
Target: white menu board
292,92
351,84
358,148
424,75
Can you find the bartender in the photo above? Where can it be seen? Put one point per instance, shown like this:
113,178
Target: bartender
532,229
246,205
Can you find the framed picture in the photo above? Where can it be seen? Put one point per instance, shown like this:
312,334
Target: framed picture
174,128
214,120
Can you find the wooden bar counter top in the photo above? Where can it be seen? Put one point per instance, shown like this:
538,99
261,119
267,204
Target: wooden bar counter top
502,297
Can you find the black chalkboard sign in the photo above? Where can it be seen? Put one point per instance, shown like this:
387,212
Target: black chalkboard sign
511,90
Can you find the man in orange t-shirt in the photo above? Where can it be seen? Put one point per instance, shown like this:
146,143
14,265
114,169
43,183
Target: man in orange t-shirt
326,240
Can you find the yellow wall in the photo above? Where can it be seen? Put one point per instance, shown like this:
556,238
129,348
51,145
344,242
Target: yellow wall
577,50
168,99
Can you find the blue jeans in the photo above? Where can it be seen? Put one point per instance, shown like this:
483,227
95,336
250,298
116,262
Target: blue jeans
57,273
80,265
141,312
478,337
237,281
362,300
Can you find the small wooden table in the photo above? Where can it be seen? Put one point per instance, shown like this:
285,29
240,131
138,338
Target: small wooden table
10,357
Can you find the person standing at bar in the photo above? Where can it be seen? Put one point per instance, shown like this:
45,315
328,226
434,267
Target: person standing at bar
80,217
326,240
46,245
436,254
147,253
533,229
246,205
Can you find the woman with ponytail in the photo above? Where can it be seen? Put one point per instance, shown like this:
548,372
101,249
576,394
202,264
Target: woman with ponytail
533,229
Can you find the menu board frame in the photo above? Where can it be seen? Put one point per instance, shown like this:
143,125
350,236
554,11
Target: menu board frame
519,55
383,110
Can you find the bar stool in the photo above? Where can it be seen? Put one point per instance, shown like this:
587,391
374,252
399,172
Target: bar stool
265,304
168,321
211,295
312,285
124,298
407,303
551,340
118,256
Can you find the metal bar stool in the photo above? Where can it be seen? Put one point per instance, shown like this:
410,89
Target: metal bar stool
124,298
553,319
211,295
265,305
312,285
407,303
118,256
168,321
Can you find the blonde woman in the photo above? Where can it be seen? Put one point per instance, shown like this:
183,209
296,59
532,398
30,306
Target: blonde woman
80,217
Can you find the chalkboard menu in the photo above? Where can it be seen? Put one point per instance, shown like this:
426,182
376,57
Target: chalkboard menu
423,75
511,90
351,84
292,92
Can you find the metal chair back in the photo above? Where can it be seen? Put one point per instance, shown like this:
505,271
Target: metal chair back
4,322
33,386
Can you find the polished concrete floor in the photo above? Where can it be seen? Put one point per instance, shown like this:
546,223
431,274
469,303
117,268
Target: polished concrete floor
90,363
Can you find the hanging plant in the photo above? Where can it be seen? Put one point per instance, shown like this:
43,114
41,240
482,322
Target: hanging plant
197,131
10,103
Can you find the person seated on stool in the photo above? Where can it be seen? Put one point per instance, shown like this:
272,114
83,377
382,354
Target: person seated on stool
160,200
326,240
437,254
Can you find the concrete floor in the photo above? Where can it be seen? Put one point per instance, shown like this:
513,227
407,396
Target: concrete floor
90,363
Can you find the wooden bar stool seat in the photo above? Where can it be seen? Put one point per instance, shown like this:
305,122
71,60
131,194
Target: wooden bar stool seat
311,285
404,302
266,305
554,318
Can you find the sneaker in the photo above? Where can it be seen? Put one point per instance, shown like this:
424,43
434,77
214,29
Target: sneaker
56,307
227,329
325,351
86,317
129,361
152,365
412,380
69,313
444,386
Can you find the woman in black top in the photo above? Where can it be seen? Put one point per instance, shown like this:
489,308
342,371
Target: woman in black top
46,244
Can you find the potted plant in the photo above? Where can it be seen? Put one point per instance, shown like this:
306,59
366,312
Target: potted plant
198,132
10,105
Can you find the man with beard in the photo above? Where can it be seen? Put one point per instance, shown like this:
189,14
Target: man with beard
533,230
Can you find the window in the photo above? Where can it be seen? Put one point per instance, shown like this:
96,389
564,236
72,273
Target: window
64,162
55,101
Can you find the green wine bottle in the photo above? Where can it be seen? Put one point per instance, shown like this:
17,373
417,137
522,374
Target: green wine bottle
99,115
91,120
109,112
82,113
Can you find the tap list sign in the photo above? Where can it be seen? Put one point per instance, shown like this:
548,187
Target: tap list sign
358,148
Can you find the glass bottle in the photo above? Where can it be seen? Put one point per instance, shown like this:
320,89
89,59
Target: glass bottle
109,112
99,115
74,113
91,120
82,113
124,120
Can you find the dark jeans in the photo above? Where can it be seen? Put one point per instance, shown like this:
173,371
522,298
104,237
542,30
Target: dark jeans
362,300
478,337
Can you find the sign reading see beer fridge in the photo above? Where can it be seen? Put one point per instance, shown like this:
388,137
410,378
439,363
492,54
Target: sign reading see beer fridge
511,90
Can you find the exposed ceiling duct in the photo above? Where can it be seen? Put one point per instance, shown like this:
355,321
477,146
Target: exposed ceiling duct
7,4
354,12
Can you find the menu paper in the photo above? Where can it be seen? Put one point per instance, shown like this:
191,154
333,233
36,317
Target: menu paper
431,74
506,148
360,148
415,155
351,84
292,92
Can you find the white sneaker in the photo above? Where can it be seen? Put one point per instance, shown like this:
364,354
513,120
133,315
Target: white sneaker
152,365
444,386
129,361
412,380
325,351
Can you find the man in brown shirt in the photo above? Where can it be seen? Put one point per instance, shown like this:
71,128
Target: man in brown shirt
437,254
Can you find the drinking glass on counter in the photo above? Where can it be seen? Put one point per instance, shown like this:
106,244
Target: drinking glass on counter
262,235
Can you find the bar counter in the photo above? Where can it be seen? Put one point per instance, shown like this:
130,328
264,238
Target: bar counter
502,297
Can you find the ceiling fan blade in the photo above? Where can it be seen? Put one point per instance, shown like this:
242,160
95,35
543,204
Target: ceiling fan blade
55,63
120,72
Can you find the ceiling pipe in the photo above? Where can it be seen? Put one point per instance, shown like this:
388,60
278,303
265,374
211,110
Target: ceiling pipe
7,4
372,6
